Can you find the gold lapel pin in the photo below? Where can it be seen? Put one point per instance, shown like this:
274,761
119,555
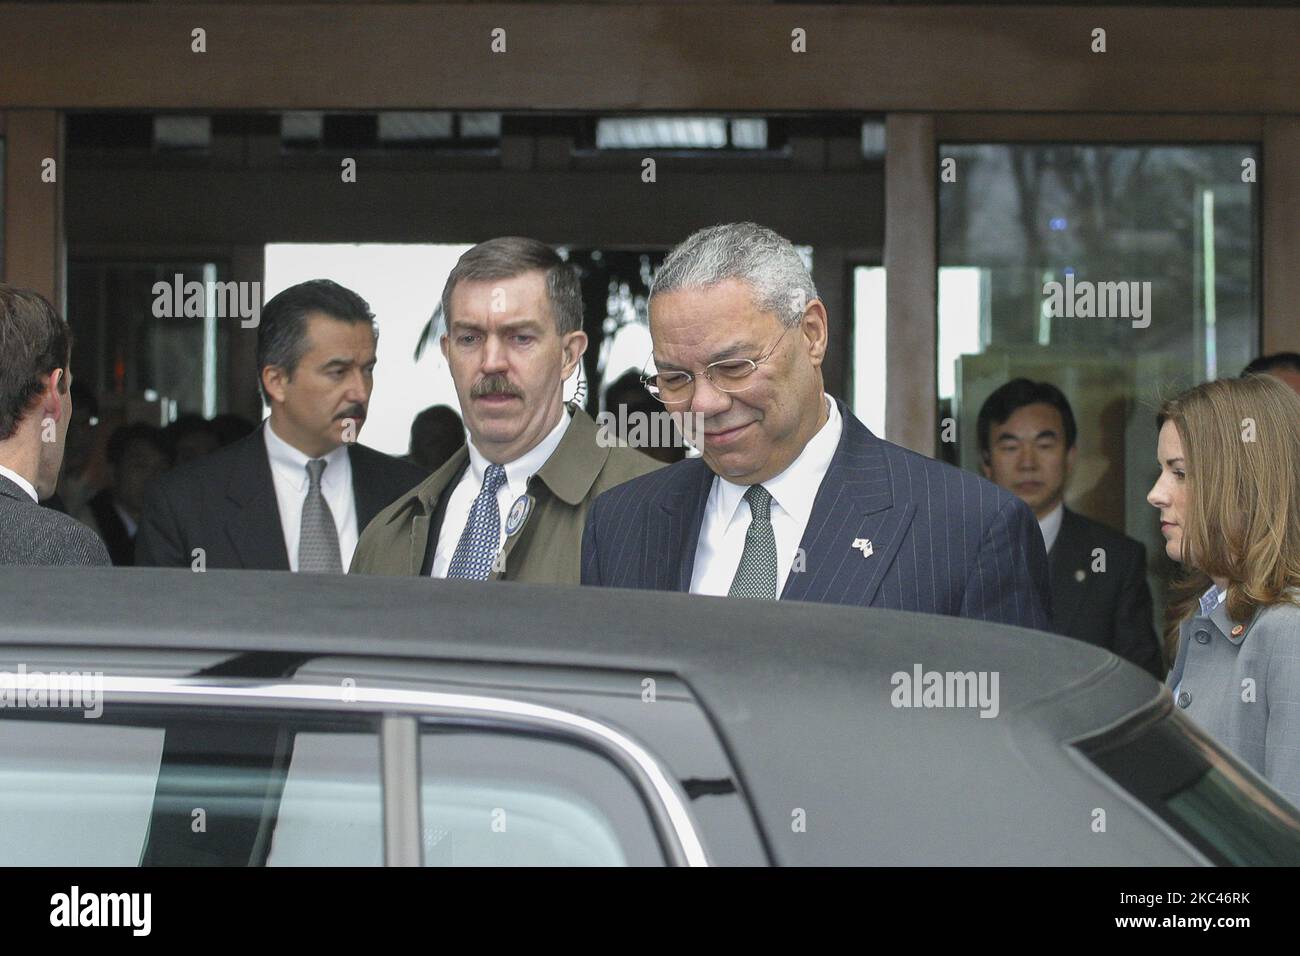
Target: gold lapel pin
1236,631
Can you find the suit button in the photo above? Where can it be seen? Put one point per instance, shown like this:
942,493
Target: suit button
1202,637
1184,699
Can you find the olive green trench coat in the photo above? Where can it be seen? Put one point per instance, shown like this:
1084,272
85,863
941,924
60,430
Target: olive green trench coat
547,547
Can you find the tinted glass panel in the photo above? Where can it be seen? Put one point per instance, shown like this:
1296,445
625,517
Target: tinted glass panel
496,799
2,208
212,788
1184,777
1119,273
331,811
76,794
136,344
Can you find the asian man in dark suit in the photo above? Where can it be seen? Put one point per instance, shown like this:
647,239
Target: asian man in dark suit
295,494
138,454
793,496
35,409
1027,440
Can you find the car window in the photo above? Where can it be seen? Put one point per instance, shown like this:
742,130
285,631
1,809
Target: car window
676,728
331,811
165,786
504,799
1186,779
75,794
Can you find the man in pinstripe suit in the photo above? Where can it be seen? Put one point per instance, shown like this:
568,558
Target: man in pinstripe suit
793,496
35,408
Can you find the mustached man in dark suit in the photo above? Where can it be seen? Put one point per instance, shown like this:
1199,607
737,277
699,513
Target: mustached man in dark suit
1027,436
793,496
295,494
35,408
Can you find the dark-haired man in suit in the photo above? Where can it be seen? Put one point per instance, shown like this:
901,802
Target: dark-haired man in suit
1027,435
295,494
793,497
35,409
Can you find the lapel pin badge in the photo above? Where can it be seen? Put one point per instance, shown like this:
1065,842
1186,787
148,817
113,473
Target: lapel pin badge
1237,629
863,545
1080,575
518,514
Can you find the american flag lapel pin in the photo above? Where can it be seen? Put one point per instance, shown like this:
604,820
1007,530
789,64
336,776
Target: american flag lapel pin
863,545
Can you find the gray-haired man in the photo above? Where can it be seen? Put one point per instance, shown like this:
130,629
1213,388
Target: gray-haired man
793,496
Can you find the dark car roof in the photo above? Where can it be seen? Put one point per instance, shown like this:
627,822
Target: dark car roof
801,693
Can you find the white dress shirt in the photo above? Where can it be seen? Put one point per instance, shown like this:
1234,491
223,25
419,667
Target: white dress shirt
727,517
127,521
289,475
1050,525
21,482
518,472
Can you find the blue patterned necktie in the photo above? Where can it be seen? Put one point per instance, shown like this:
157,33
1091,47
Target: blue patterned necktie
756,576
476,551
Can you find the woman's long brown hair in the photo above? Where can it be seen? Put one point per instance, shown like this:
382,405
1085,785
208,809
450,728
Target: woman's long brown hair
1241,450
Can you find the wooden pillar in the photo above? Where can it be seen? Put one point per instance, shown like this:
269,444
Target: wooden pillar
34,249
911,281
247,264
1279,178
832,287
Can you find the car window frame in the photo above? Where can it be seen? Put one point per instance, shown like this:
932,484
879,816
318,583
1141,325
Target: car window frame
404,713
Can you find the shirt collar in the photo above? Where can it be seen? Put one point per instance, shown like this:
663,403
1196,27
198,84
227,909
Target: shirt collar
1050,524
291,464
127,521
526,465
789,489
21,482
576,464
1211,599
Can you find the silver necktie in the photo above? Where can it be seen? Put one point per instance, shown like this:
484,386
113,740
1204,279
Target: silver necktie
318,538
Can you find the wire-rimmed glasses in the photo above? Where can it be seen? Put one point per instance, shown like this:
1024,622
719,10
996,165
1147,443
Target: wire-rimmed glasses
728,375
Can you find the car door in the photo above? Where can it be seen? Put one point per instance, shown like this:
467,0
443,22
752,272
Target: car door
221,770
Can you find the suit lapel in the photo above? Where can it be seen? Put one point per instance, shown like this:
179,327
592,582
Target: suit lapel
855,502
253,521
1069,555
679,533
426,527
367,486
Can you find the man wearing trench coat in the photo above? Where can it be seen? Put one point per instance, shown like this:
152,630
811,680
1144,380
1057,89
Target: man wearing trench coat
543,533
512,503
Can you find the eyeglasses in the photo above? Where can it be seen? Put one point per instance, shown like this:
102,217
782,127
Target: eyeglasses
729,375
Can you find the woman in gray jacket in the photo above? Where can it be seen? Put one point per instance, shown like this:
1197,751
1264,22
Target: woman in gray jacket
1229,502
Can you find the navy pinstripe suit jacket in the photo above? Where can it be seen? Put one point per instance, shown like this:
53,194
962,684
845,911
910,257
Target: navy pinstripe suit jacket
944,541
